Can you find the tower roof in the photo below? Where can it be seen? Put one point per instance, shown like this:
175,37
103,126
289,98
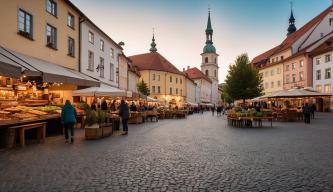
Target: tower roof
292,28
195,73
209,48
209,28
153,44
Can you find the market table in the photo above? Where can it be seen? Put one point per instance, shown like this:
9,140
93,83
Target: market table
254,121
41,131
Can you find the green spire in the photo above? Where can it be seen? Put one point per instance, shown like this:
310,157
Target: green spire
209,29
153,44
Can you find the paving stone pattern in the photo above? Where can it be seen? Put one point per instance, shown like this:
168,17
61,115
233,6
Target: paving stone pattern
200,153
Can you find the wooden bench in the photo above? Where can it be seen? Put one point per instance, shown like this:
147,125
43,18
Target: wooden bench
41,131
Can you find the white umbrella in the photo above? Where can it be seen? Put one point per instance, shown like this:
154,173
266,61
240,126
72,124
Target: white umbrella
103,91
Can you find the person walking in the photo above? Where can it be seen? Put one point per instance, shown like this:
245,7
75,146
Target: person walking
104,105
68,118
313,110
124,114
213,110
306,113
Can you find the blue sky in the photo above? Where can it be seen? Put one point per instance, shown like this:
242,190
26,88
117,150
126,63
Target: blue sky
240,26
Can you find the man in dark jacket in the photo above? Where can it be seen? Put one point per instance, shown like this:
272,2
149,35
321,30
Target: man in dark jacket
307,113
68,118
124,114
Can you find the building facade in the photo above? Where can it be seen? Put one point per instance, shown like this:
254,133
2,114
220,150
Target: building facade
44,29
124,63
99,54
133,78
272,78
164,80
203,83
190,91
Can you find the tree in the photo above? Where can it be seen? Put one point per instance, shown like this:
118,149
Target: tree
142,87
225,97
243,81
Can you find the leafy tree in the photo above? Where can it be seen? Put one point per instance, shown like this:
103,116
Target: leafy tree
225,97
243,81
143,88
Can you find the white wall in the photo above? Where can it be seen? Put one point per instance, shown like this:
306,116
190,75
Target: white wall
95,48
322,66
133,79
205,89
190,91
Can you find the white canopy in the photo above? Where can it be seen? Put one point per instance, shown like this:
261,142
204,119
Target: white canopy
296,93
150,99
192,104
102,91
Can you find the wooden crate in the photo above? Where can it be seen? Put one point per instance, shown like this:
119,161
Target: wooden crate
93,132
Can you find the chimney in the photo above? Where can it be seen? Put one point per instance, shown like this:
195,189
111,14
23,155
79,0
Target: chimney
188,67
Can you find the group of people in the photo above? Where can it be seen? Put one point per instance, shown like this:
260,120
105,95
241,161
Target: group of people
308,112
219,110
69,116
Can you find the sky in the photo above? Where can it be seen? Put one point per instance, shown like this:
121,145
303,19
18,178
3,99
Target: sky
240,26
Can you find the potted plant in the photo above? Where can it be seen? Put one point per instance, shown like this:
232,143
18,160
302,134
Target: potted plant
92,127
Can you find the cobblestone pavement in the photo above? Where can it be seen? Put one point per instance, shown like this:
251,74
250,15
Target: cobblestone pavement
200,153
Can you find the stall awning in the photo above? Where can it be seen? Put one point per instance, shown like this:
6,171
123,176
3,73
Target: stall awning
102,91
297,92
192,104
49,72
9,68
150,99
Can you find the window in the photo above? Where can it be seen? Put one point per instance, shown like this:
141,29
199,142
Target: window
170,79
318,75
112,53
279,83
71,47
51,7
158,77
272,84
272,72
206,59
111,72
287,67
215,60
51,36
206,72
318,88
294,78
101,67
278,70
158,89
117,75
288,78
301,76
328,73
25,24
215,73
101,45
318,61
176,91
70,20
90,61
91,37
176,80
327,88
327,58
181,92
266,85
293,66
170,90
181,81
301,63
153,76
153,89
281,57
273,60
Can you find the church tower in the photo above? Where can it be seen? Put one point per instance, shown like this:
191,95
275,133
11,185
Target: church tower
209,64
292,28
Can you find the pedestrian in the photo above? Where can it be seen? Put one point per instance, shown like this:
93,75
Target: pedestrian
68,118
218,110
104,105
213,110
124,114
133,107
313,110
306,113
93,106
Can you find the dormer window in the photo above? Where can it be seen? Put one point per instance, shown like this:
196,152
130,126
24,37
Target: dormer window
206,59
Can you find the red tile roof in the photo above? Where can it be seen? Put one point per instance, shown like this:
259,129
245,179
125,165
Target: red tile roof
325,47
153,61
291,39
195,73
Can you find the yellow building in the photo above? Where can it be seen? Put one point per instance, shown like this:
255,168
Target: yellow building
45,29
272,78
164,80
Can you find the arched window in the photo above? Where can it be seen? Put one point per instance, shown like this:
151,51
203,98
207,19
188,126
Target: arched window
215,60
206,72
215,73
206,59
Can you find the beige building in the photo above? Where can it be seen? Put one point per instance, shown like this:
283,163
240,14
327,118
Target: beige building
45,29
165,81
123,72
133,78
272,78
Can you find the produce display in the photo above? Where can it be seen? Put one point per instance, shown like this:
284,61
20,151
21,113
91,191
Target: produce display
249,113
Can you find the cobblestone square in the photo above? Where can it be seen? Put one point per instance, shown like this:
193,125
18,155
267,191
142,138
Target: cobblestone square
200,153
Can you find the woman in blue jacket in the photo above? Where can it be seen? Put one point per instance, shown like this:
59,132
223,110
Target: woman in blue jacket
68,118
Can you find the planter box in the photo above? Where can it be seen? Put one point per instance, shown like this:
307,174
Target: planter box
93,132
107,131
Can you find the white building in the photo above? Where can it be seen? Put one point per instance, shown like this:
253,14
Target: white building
190,91
322,53
99,54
